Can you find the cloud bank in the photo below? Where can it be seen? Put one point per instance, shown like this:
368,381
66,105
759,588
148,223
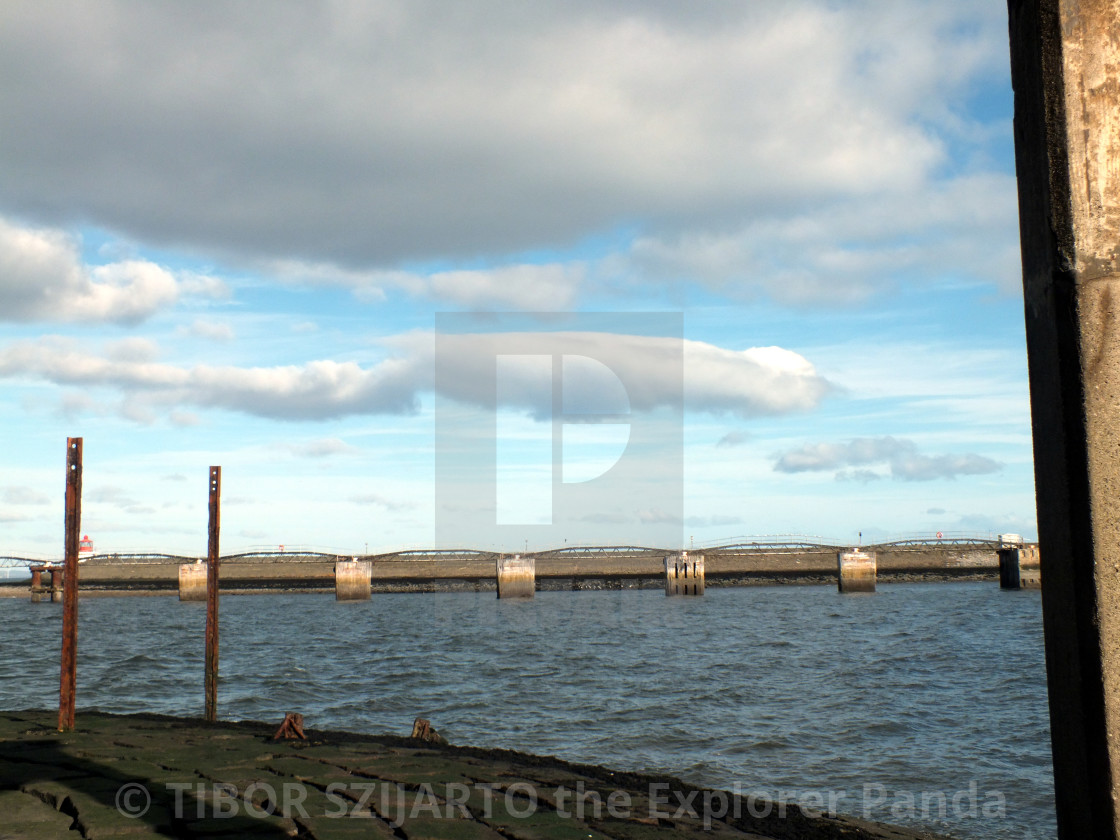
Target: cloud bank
364,135
901,456
747,383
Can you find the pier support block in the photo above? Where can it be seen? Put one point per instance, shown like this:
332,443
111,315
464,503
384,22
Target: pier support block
192,582
517,576
56,585
684,574
858,570
1019,568
352,580
37,583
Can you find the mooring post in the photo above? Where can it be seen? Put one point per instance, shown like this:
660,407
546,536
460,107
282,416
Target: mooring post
1065,68
73,524
212,562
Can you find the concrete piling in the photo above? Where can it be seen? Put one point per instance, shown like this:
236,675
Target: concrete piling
352,580
1019,567
857,570
56,585
684,574
37,583
192,582
517,576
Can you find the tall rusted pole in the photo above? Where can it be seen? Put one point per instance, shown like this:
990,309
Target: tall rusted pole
212,562
73,525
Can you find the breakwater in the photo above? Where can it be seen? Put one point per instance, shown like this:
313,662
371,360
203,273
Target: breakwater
564,569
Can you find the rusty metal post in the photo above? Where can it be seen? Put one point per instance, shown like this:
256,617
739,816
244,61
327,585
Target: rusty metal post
73,525
212,563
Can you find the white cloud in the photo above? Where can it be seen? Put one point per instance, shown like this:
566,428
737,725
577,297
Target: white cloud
520,286
746,383
731,439
12,495
382,501
42,277
902,456
209,330
323,448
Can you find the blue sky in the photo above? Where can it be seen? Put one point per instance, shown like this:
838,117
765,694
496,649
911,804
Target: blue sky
225,238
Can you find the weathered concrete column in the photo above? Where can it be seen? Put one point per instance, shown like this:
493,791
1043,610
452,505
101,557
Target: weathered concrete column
192,581
1019,567
1065,67
56,584
37,583
857,571
517,576
352,580
684,574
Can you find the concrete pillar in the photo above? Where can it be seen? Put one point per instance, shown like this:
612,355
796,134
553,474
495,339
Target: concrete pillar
517,577
1019,568
857,570
56,584
37,583
192,582
684,574
1065,68
352,580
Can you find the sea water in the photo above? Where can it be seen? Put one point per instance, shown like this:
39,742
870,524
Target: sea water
920,704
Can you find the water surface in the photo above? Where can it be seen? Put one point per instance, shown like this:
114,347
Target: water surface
917,704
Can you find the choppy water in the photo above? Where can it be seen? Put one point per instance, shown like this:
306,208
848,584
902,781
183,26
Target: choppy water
913,705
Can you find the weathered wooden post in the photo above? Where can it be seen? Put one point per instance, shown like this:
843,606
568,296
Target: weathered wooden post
193,579
1065,68
684,575
857,570
212,561
352,580
517,576
68,683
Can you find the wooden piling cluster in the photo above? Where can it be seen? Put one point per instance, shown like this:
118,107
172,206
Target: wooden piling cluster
1019,567
352,580
856,570
684,574
517,576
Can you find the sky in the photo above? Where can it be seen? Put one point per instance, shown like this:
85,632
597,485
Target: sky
319,243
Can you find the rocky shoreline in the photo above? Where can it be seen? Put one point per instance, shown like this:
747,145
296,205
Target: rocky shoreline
146,776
